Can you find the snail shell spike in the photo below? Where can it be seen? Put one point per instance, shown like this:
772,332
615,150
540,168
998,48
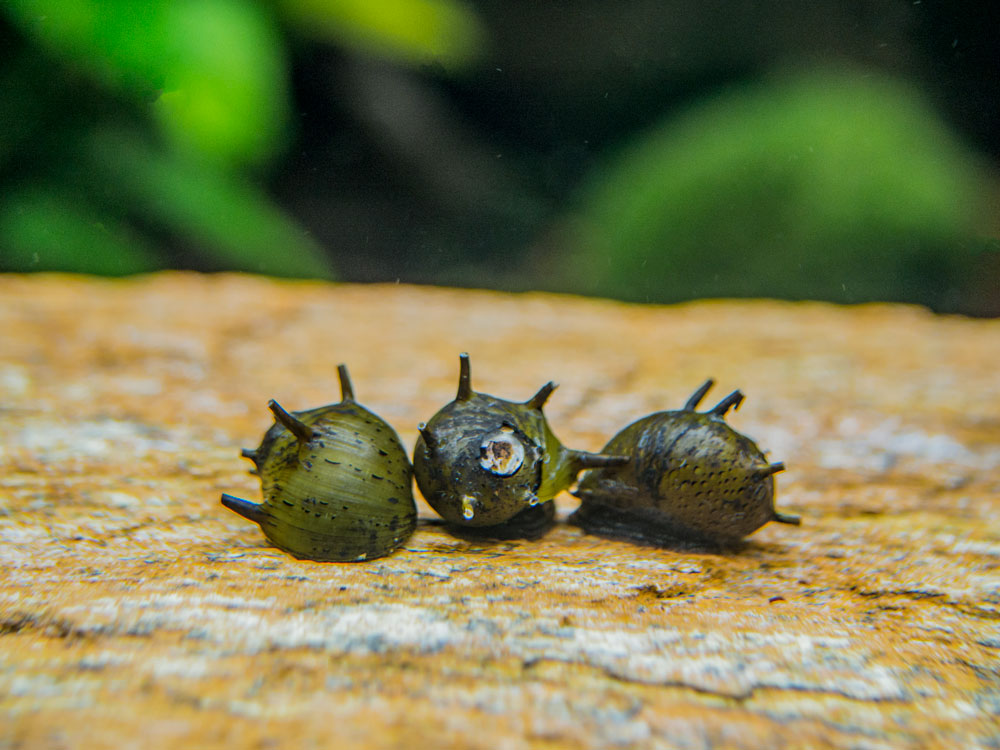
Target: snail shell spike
538,400
786,518
346,389
429,440
249,453
464,378
769,469
251,511
598,460
732,401
698,395
300,429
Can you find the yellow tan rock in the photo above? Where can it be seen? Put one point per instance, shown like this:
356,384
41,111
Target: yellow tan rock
136,611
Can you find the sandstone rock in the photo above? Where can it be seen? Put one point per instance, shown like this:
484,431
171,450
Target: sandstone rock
136,611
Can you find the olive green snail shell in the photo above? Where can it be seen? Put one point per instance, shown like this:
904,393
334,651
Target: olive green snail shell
692,477
494,465
336,483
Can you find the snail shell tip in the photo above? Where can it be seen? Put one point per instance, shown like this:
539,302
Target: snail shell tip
346,389
698,395
787,518
538,400
297,427
251,511
732,401
464,379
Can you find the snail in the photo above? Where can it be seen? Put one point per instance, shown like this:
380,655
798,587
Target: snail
486,463
691,477
336,482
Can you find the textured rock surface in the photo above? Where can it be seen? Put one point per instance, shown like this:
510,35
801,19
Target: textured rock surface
135,611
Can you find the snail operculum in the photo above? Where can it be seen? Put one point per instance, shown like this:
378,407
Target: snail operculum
336,482
502,453
692,477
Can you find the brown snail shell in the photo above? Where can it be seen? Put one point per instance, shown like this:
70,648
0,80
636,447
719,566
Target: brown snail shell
691,477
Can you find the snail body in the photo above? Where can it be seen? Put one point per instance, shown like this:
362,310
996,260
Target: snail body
487,463
336,482
691,477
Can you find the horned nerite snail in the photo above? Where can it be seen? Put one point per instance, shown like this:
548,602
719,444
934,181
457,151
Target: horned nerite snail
336,482
485,462
691,477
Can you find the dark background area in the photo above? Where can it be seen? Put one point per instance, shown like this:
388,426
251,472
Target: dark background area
651,151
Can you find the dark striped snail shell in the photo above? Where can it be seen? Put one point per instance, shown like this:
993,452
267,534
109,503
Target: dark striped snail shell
336,483
484,462
692,477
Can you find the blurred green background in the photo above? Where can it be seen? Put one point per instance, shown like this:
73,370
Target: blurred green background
649,151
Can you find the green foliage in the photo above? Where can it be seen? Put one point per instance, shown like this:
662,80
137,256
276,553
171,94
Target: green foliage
825,185
218,63
413,31
44,229
216,208
133,127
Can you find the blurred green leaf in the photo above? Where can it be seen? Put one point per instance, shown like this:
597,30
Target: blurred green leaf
830,185
414,31
212,75
218,63
122,41
225,91
231,220
44,230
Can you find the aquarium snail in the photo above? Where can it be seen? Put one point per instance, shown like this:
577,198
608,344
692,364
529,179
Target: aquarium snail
691,477
487,463
336,482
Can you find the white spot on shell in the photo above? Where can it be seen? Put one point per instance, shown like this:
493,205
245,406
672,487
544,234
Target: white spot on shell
501,453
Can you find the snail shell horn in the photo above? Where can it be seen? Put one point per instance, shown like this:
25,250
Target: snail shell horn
429,440
464,378
302,431
586,460
787,518
251,454
251,511
768,469
538,400
698,395
732,401
346,389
